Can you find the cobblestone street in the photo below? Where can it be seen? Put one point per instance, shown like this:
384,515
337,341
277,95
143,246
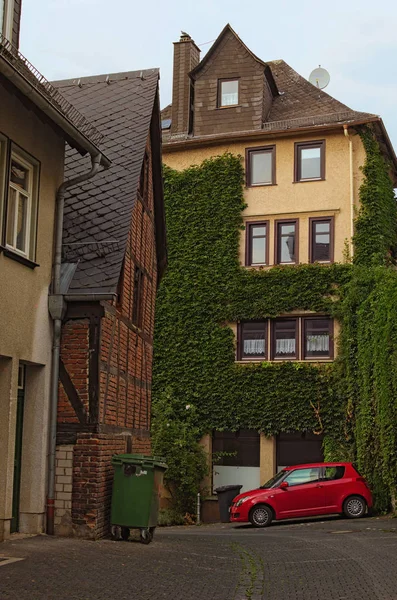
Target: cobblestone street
329,559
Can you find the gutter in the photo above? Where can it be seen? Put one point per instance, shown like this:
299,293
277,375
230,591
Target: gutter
351,182
214,140
81,141
57,309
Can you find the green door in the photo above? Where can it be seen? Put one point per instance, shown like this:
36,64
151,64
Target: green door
18,450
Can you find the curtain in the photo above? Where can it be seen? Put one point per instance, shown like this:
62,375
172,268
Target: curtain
254,346
285,346
317,343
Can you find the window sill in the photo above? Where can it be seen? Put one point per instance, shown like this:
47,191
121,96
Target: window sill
309,180
258,185
18,258
228,106
283,360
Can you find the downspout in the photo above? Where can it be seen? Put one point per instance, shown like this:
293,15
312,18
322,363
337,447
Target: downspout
56,305
346,131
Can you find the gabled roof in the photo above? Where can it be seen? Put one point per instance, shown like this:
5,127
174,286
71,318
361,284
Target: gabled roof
228,29
98,213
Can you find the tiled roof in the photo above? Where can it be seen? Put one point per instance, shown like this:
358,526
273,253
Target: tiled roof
299,104
98,212
299,99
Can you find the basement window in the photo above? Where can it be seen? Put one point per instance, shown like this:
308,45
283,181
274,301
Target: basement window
228,92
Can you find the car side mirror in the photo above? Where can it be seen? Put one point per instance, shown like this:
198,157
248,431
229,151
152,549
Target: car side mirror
284,485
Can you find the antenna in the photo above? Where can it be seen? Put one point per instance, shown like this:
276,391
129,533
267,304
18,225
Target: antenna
319,78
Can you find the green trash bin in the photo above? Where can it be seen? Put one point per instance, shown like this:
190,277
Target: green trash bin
136,494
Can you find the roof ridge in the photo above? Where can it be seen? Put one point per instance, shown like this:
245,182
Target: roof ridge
106,77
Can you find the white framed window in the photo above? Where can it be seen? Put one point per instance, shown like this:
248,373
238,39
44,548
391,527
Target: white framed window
21,204
3,163
7,18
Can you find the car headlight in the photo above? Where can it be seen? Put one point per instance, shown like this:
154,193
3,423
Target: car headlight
239,502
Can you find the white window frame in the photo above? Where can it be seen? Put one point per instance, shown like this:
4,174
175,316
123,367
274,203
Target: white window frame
17,157
7,24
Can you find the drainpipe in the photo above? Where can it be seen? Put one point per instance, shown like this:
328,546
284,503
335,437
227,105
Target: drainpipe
57,308
346,132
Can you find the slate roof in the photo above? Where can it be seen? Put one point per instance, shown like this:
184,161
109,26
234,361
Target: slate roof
297,104
98,212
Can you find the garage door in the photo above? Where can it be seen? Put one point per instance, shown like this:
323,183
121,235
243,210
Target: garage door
298,448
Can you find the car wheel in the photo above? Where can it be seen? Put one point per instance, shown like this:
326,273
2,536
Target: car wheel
354,507
261,515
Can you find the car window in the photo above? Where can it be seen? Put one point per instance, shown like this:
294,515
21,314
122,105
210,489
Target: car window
274,480
300,476
333,473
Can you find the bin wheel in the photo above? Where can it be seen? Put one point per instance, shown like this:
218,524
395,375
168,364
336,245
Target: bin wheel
115,533
125,533
146,536
152,530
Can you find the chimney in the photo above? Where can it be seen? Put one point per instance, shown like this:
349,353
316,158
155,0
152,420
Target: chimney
186,57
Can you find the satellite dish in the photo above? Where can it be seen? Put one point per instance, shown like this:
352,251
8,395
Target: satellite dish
319,78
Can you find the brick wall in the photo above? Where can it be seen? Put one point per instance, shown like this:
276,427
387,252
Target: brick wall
63,490
75,356
125,373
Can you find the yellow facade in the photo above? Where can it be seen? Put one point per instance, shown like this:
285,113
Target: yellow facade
25,324
336,196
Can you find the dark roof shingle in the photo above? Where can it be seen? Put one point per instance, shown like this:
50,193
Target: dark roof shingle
98,212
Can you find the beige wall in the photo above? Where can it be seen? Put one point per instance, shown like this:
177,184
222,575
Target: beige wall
25,326
287,199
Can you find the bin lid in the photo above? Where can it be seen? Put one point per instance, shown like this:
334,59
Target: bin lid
226,488
140,459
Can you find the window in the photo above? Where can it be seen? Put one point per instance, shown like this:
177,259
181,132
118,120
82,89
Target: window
144,179
136,317
302,476
285,338
252,340
287,242
321,240
318,338
261,166
21,204
228,90
257,247
333,473
310,161
290,338
236,448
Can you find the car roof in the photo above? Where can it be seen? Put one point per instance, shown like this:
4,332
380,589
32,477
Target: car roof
319,464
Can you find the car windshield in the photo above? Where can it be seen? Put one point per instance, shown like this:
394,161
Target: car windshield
274,480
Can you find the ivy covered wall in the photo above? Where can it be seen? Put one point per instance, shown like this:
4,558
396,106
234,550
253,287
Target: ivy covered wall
205,288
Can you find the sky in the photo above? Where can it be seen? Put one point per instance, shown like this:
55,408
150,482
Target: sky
354,40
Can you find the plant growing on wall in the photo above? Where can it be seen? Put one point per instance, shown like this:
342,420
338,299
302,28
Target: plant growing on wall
205,289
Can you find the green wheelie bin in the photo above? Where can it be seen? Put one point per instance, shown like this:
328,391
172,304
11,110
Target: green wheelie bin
136,494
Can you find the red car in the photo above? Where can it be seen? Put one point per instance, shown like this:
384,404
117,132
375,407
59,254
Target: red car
305,491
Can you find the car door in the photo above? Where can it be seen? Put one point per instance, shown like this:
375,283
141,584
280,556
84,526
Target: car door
334,486
304,495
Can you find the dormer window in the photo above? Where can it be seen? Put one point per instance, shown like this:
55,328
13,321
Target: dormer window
228,90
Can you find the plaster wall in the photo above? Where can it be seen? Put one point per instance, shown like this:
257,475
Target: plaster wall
286,199
25,326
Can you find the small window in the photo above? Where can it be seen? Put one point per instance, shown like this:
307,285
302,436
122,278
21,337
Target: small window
144,179
21,209
318,341
285,342
7,18
136,317
303,476
257,243
334,473
261,166
321,242
252,340
309,161
3,179
286,242
228,90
